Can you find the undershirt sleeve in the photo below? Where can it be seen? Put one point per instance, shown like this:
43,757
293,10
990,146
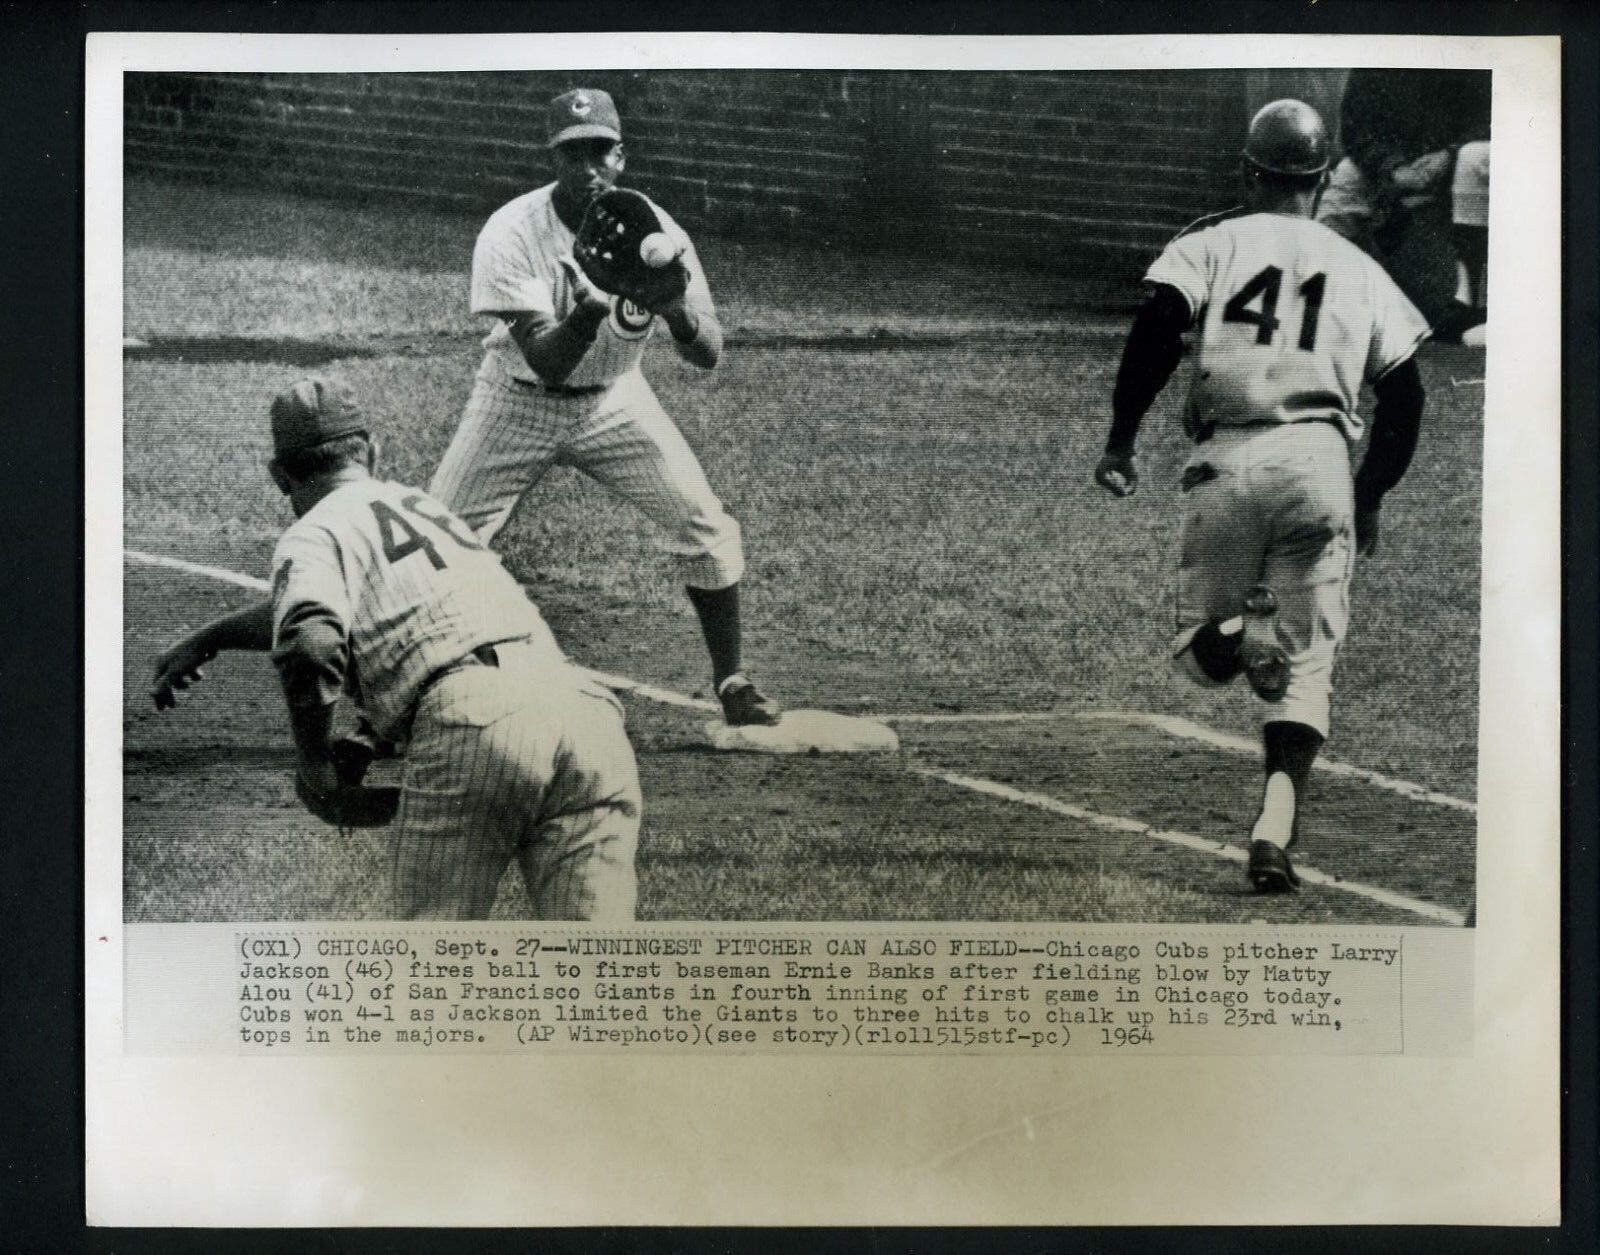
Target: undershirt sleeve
310,614
1396,427
1152,352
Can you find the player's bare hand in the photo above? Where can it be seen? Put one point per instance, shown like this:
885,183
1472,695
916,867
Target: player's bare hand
176,669
1117,473
585,295
1367,532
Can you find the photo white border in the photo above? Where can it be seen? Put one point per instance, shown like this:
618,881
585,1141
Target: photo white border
657,1139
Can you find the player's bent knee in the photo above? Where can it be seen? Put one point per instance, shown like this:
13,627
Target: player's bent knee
437,881
711,550
1314,710
714,571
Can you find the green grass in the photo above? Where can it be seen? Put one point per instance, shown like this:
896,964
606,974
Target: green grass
921,527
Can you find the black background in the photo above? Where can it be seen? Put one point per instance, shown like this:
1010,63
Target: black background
41,657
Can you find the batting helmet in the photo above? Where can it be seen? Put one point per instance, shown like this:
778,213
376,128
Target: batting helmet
1287,138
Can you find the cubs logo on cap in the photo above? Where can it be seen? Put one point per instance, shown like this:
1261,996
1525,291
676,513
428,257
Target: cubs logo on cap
583,113
314,412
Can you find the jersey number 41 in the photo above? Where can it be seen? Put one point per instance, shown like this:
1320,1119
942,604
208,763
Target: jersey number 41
1265,287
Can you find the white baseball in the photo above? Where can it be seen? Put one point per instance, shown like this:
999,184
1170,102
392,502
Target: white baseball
657,249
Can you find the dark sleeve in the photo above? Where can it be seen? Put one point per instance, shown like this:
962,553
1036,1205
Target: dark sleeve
312,655
1151,354
1396,424
554,349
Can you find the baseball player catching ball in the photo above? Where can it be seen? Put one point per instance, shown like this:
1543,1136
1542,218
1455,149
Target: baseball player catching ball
561,384
1290,319
511,752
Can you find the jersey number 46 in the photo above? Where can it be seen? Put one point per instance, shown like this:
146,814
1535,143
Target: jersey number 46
401,539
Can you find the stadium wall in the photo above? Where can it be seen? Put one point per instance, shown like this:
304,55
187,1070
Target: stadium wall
1090,171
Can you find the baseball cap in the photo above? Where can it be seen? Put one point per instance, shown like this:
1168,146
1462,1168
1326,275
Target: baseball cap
582,113
313,412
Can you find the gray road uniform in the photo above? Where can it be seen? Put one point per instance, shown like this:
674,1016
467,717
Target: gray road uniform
1291,320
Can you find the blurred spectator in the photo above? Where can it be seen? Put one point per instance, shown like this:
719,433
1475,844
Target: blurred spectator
1469,196
1396,190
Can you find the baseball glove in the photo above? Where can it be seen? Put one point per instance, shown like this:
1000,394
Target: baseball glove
618,225
351,804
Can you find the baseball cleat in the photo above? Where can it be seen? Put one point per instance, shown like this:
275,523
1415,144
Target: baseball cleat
743,704
1265,664
1270,870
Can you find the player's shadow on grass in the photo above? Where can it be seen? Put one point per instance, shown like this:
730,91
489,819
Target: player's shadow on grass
705,748
278,351
183,760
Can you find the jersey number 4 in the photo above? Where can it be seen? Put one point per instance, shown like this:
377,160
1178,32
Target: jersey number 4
1265,287
401,539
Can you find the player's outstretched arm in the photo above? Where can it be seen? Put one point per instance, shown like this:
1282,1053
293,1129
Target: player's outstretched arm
1152,352
1396,426
180,665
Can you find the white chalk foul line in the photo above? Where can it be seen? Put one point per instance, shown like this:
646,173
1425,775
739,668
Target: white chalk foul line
1201,845
991,788
195,568
621,683
1174,726
666,697
987,716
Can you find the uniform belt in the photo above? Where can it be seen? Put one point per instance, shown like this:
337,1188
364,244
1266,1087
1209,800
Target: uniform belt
1205,431
563,390
482,656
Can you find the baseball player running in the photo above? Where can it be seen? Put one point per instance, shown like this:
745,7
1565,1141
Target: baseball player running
1290,319
511,752
561,384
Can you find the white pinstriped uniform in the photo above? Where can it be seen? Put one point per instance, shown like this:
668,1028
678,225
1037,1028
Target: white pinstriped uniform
524,759
604,420
1292,318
